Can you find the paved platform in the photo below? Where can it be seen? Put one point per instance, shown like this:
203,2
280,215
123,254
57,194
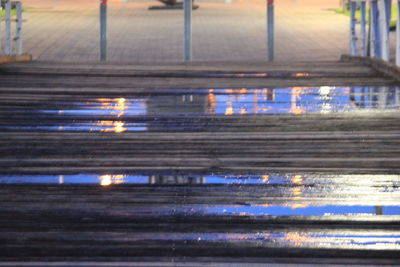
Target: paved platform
64,31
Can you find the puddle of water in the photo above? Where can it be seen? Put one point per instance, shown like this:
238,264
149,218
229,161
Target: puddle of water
295,100
295,188
303,179
298,194
101,126
81,115
261,75
76,116
374,240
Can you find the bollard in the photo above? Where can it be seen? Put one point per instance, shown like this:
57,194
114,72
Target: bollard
187,30
8,28
398,34
18,30
270,30
103,30
383,30
363,23
353,34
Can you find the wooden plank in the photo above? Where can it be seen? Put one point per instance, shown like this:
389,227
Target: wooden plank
134,222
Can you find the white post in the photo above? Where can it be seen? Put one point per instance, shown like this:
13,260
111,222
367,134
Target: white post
398,34
384,30
8,28
18,30
353,34
363,29
187,30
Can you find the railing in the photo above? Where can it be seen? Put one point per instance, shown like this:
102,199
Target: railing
10,49
373,37
187,30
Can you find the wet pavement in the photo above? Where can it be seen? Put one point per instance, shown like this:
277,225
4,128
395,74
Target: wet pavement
154,166
148,111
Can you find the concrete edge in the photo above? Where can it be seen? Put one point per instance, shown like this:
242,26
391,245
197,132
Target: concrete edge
16,58
377,64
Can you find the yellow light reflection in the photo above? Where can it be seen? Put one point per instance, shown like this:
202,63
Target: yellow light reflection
117,104
120,104
116,126
107,180
119,127
265,178
211,102
297,179
298,239
229,106
301,74
297,206
297,191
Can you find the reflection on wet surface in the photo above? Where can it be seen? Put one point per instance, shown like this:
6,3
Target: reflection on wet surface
307,197
303,179
140,112
304,194
295,100
377,240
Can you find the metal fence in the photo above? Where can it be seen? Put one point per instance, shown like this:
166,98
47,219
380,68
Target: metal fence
11,41
372,37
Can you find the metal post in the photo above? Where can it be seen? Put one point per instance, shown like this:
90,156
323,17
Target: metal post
270,30
18,30
384,29
375,40
369,33
103,30
388,5
398,34
363,29
353,33
187,30
8,28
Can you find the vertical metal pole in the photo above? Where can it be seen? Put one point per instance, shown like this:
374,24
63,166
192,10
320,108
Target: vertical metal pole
103,30
373,28
187,30
18,30
363,29
398,34
384,29
270,29
8,28
388,5
369,34
353,33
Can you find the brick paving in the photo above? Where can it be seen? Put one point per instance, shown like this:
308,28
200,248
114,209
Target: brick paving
58,30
